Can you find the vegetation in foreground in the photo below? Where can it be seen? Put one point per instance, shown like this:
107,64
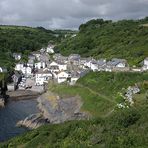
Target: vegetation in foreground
121,128
106,39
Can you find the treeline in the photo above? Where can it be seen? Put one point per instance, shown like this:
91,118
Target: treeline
107,39
22,40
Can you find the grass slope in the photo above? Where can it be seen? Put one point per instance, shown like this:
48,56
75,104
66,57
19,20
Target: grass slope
106,39
122,128
100,91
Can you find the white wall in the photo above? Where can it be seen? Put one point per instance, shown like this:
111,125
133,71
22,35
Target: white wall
121,65
62,77
63,67
41,78
19,67
146,62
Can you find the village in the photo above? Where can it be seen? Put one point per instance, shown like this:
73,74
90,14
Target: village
45,65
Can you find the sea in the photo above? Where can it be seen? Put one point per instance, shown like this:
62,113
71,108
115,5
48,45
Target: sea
13,112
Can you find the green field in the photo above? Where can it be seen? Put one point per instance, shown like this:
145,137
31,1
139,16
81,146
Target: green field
120,128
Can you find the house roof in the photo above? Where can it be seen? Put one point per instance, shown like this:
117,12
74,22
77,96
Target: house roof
115,62
74,57
42,71
36,52
101,62
53,63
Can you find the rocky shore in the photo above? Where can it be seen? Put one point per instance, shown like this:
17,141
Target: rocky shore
22,95
2,102
33,121
54,110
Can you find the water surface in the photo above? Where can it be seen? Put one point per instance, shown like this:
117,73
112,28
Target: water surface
11,114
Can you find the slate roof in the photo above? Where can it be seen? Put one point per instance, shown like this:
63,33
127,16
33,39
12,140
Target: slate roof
115,62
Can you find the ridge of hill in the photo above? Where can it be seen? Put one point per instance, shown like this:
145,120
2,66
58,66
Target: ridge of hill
100,38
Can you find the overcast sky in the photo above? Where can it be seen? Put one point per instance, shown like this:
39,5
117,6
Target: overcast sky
68,13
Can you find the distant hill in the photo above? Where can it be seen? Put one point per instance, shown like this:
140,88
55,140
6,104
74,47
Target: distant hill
106,39
22,39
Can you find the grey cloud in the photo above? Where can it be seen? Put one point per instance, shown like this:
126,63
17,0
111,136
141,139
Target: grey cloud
68,13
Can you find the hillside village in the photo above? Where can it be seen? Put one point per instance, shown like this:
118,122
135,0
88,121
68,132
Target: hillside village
45,65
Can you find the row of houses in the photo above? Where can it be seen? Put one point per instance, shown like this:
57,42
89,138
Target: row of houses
114,64
60,68
49,49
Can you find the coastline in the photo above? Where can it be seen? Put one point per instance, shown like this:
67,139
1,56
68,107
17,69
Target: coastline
22,95
54,110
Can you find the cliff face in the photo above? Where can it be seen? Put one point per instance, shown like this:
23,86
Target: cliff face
3,89
2,102
58,110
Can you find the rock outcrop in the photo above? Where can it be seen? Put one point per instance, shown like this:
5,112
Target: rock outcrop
2,102
58,110
32,122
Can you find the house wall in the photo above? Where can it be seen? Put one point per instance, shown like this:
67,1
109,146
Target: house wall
62,77
62,67
1,69
146,62
26,71
121,65
94,67
49,50
41,78
19,67
40,65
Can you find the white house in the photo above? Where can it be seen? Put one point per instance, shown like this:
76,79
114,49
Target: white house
74,59
17,56
27,71
40,65
19,66
54,67
62,77
37,55
101,64
50,49
94,67
74,80
119,63
42,76
92,64
42,50
74,76
62,66
116,64
3,70
145,64
31,59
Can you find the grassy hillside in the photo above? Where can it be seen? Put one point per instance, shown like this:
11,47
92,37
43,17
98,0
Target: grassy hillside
100,91
119,128
106,39
23,40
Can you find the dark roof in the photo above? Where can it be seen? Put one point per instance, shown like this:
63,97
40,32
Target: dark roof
115,62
